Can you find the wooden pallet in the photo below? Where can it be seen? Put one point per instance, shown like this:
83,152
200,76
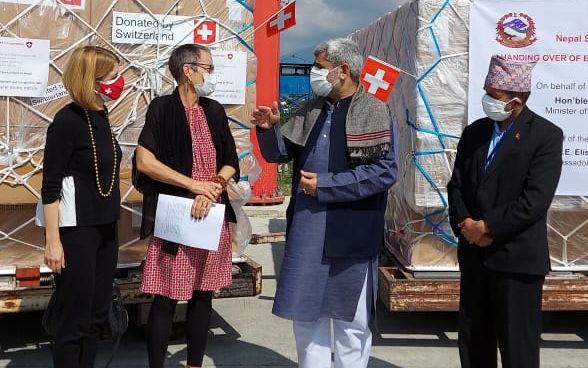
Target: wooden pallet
26,299
401,291
247,283
257,239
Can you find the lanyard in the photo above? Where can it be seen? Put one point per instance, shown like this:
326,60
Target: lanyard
490,157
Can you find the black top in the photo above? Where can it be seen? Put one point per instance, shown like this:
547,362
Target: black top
512,195
68,152
167,135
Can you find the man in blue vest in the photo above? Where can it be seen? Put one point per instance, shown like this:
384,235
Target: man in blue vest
506,172
343,156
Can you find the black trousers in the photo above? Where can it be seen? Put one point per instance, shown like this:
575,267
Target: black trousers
499,309
83,292
159,327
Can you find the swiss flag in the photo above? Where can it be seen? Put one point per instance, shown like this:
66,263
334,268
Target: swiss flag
206,32
378,78
285,19
71,2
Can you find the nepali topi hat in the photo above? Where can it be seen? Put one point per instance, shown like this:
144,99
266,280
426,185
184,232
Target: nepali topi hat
507,75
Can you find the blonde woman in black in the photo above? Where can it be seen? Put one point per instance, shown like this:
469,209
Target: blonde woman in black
81,202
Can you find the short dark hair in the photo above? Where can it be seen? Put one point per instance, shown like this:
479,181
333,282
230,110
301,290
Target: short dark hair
523,96
189,53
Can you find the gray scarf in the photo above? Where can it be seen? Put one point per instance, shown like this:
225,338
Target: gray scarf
367,126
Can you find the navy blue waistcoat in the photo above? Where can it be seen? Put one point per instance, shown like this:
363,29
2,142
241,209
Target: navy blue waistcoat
354,229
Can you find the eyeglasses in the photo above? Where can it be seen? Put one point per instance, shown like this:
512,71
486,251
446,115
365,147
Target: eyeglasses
208,67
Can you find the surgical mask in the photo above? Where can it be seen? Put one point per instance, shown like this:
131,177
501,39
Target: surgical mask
319,83
112,89
207,87
495,109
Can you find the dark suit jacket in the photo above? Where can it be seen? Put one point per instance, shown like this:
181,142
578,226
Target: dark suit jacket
512,195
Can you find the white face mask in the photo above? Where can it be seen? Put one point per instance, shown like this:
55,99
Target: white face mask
319,83
495,109
207,87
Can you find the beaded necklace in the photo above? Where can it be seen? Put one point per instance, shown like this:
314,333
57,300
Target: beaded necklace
95,154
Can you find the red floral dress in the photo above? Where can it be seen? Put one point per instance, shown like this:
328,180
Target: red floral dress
176,277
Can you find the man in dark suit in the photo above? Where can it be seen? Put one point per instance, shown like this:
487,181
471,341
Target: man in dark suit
505,176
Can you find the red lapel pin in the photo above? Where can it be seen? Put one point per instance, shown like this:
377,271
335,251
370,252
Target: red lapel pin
518,136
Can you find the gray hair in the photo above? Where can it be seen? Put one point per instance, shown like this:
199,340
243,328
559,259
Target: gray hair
341,51
185,54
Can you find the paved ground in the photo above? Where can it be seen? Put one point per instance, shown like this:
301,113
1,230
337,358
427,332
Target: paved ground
245,334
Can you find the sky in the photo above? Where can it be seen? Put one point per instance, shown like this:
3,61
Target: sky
319,20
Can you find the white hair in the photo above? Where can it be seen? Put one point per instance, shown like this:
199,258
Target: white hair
341,51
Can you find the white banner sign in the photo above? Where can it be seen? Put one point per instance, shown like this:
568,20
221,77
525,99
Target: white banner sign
231,70
71,4
24,66
555,34
166,30
144,29
53,92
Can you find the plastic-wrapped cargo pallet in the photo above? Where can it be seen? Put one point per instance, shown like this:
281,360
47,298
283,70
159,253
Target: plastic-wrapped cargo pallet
428,40
23,121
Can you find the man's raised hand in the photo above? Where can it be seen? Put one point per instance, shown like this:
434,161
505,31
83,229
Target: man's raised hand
266,117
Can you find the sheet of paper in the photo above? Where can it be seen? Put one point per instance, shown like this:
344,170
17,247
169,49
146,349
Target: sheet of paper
174,222
231,70
24,66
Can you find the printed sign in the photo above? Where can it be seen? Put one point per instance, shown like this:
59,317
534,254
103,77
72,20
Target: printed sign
52,93
231,70
145,29
556,37
24,66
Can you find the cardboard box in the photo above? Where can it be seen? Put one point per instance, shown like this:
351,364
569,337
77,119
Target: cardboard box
144,67
26,243
145,70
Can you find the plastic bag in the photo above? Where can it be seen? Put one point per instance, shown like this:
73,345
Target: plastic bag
239,195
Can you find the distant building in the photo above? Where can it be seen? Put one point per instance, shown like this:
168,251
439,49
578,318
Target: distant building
294,83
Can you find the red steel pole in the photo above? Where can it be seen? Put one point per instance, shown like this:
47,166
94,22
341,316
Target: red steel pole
267,50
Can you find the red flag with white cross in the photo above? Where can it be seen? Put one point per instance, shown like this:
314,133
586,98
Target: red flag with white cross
205,32
285,19
71,2
378,78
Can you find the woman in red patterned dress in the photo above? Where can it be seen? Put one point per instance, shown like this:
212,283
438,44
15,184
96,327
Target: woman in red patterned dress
185,149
